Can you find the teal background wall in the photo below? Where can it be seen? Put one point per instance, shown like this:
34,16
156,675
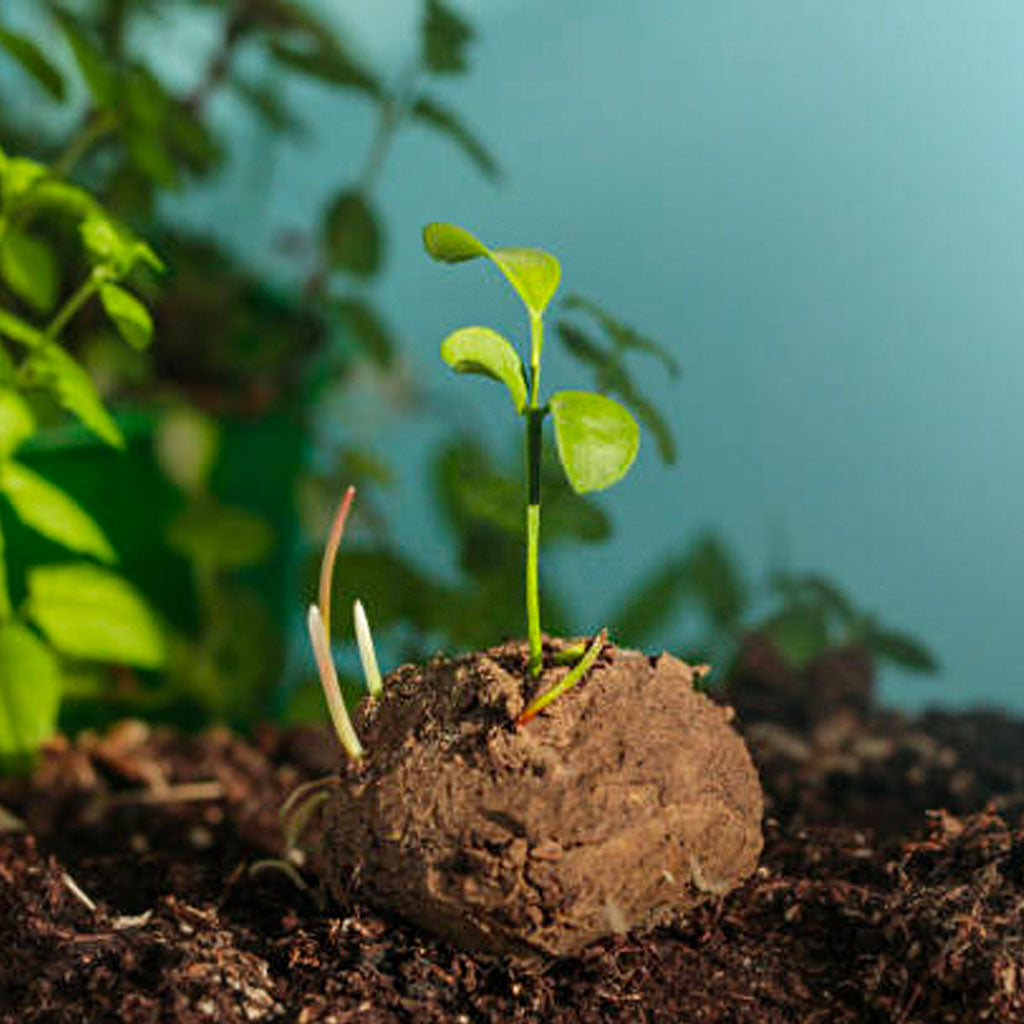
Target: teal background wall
818,205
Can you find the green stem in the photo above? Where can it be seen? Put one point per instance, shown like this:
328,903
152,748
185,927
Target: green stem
534,421
95,129
64,315
536,345
391,112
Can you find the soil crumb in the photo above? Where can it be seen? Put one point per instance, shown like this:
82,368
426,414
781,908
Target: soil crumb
624,805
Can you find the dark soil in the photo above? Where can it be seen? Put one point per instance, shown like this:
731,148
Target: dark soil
624,805
891,887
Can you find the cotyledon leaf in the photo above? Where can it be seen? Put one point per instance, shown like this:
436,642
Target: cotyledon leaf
597,439
481,350
533,273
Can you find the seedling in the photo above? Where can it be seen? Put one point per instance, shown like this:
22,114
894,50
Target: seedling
597,439
318,623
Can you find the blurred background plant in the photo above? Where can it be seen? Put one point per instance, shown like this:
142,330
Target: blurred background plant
247,416
217,417
58,619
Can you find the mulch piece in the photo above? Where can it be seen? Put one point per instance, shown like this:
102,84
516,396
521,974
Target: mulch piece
891,887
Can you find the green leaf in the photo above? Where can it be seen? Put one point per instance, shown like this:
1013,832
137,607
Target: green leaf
597,439
369,329
218,536
111,245
91,613
68,200
17,423
130,316
5,593
267,103
800,632
29,694
16,329
901,650
812,589
352,235
99,75
328,62
30,269
481,350
623,336
444,120
715,581
51,512
33,62
18,177
446,36
532,272
55,370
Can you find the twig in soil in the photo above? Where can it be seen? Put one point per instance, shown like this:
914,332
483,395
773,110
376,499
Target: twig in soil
76,890
186,792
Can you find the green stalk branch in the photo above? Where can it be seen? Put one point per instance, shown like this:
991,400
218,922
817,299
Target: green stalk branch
89,287
94,131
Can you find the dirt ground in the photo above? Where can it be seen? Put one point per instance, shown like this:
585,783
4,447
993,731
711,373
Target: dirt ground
891,887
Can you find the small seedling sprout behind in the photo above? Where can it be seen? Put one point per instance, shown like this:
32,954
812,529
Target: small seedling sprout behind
597,439
318,622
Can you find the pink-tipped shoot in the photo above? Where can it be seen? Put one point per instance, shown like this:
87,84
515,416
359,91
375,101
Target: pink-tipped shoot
330,553
343,728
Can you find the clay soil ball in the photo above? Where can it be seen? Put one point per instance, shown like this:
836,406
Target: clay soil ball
625,804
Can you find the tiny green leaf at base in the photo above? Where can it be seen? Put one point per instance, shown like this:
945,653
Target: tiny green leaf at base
483,351
597,439
571,678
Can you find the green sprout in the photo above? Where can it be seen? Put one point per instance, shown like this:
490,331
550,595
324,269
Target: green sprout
318,622
597,439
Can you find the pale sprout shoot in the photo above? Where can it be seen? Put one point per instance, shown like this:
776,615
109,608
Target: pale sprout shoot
330,553
367,654
332,689
319,621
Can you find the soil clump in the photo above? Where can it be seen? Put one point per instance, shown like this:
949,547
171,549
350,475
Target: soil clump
890,888
626,803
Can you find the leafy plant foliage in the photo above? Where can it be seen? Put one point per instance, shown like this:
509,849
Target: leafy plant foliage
82,611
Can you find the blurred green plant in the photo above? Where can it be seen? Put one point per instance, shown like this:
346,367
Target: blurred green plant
232,344
83,610
804,615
